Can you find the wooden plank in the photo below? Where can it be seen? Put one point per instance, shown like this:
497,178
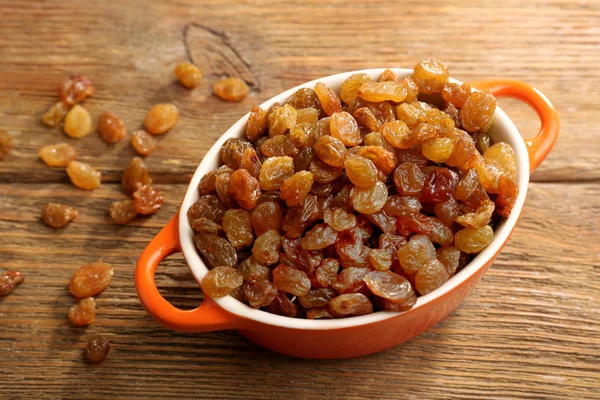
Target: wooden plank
531,329
553,46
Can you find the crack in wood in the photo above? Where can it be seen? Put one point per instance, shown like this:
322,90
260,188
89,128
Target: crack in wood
214,53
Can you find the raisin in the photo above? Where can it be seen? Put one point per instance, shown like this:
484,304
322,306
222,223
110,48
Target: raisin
83,175
295,189
390,286
327,272
58,215
456,94
278,146
57,155
75,89
507,196
450,257
318,313
502,159
242,186
135,176
387,75
266,247
383,159
299,217
350,280
83,313
430,277
222,184
97,349
188,74
447,211
323,127
377,139
473,241
431,76
369,200
412,89
281,305
123,211
410,114
330,102
281,120
409,179
438,150
344,127
161,118
304,98
324,173
317,298
9,280
380,259
478,112
260,293
90,279
216,250
143,143
482,142
479,218
291,280
55,114
349,89
366,119
397,134
303,159
275,171
402,205
231,89
350,304
439,185
384,221
250,162
232,152
464,151
256,126
469,190
204,225
220,281
238,228
383,91
425,225
111,128
319,237
361,171
209,207
453,113
266,216
77,122
339,219
331,151
416,253
413,154
250,270
147,200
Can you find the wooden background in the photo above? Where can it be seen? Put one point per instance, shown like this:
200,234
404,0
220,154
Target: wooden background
530,330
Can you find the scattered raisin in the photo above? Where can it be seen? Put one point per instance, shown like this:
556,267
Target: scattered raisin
83,175
161,118
75,89
90,279
188,74
135,176
231,89
147,200
57,155
55,114
58,215
78,122
143,143
83,313
123,211
111,128
97,349
9,280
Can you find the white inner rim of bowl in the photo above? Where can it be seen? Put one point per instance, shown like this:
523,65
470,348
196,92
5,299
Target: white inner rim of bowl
502,130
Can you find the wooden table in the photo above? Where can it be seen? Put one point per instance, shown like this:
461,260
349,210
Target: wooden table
531,328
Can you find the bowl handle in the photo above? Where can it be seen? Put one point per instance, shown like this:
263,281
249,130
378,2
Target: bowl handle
206,318
540,145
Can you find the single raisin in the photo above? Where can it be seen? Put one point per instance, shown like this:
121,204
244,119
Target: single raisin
380,259
456,94
438,150
232,152
507,195
328,99
243,187
57,155
450,257
439,185
55,114
317,298
188,74
473,241
266,216
205,225
77,122
304,98
260,293
231,89
295,189
275,171
111,128
370,199
250,269
238,228
350,304
361,171
161,118
430,277
135,176
278,146
478,112
83,175
143,143
9,280
266,247
208,206
327,272
58,215
416,253
250,162
75,89
216,250
97,349
344,127
281,305
256,126
351,280
147,200
90,279
282,119
221,281
331,151
402,205
123,211
349,89
319,237
383,159
390,286
291,280
383,91
431,76
83,313
339,219
324,173
409,179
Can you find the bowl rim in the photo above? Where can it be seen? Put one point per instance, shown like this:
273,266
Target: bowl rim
502,123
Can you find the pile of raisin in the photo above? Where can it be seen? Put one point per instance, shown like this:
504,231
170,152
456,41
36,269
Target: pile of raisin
335,205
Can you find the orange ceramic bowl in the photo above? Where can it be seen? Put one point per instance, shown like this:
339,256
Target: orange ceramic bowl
346,337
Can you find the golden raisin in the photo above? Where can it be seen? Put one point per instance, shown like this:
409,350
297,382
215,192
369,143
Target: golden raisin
478,112
57,155
473,240
244,188
90,279
143,142
431,76
83,313
238,228
123,211
77,122
343,126
188,74
430,277
257,124
383,91
349,304
221,281
55,114
9,280
274,171
231,89
83,175
282,119
135,175
147,200
58,215
331,151
329,100
161,118
295,189
111,128
349,89
75,89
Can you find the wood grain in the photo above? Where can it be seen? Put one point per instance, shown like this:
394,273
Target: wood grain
530,330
